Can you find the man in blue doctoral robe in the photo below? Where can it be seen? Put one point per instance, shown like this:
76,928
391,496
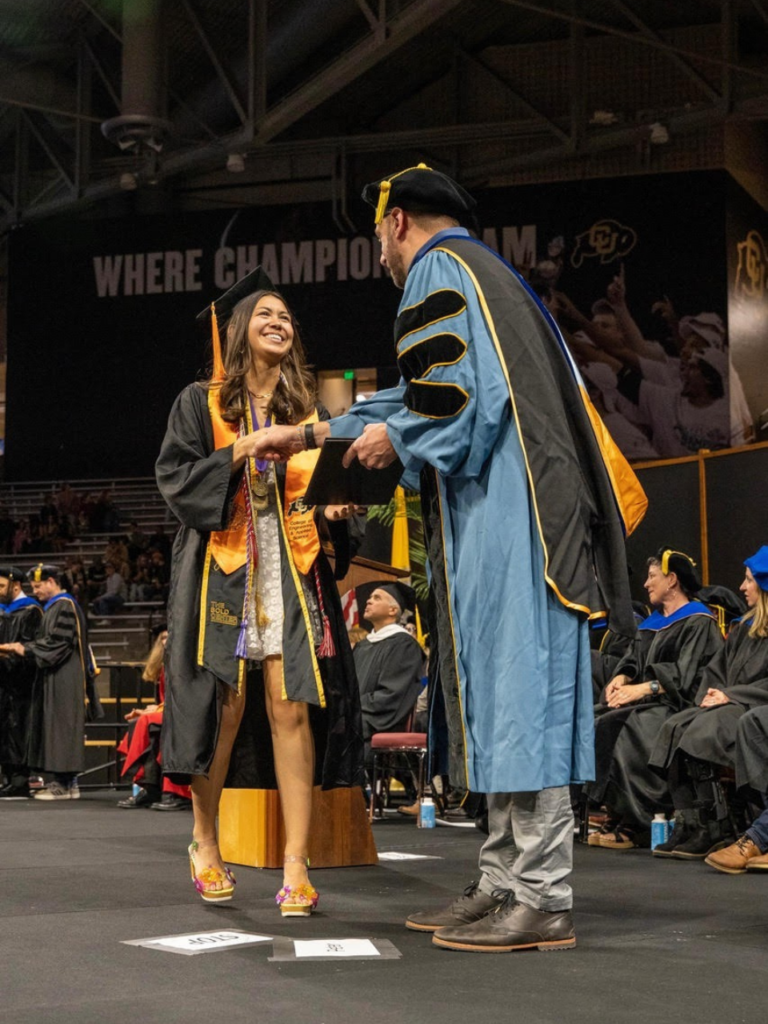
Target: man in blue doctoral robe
523,514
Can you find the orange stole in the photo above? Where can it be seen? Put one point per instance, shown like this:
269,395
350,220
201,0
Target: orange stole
228,546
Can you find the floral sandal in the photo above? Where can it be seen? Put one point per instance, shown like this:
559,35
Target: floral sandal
210,876
297,900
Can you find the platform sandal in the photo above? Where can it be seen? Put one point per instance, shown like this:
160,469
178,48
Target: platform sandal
210,876
297,900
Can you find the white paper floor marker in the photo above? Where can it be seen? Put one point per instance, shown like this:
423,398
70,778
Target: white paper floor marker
394,855
193,943
285,949
334,947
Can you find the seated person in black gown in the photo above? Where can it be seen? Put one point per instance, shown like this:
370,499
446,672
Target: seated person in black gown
659,675
388,663
693,744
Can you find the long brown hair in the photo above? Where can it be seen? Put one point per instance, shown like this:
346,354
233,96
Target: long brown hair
759,616
154,664
294,396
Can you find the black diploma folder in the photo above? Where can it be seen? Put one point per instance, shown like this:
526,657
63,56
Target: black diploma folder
332,484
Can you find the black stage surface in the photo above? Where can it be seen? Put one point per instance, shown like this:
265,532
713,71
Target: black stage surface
658,939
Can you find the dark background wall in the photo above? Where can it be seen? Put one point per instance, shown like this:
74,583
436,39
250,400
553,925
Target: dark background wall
91,378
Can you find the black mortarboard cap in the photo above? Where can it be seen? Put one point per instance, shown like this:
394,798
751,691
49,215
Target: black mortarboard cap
400,592
13,573
44,571
420,189
220,310
682,565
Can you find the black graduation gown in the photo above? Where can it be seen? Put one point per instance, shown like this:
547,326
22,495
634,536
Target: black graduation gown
197,483
740,668
624,737
17,674
751,757
59,690
389,673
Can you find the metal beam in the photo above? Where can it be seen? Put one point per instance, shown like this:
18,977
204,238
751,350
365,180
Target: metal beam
257,62
418,16
518,98
632,37
101,20
676,59
217,65
24,105
757,4
595,142
43,143
370,17
100,71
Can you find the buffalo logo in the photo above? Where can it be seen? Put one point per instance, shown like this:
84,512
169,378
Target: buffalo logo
751,273
299,507
606,239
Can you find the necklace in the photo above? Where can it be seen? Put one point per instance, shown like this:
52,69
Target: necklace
266,394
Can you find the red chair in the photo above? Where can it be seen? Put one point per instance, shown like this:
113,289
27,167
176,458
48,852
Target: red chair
389,750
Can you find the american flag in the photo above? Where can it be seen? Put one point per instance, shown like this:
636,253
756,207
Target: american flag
350,609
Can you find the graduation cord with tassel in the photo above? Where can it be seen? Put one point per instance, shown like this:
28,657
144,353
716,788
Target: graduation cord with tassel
252,562
327,648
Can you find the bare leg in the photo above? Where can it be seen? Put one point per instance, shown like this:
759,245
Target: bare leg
206,792
294,752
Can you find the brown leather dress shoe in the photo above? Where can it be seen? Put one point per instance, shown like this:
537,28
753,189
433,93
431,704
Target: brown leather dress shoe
733,859
471,906
758,863
510,927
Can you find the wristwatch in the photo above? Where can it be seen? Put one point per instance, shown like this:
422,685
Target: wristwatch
655,687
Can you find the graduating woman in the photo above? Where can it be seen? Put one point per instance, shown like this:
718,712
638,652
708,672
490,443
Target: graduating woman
659,675
692,742
253,611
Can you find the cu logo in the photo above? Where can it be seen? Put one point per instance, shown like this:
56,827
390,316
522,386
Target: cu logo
751,271
606,240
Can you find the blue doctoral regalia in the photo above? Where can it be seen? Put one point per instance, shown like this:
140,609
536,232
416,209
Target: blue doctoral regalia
514,656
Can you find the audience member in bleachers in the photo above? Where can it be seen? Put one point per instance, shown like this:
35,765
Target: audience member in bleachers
160,541
20,618
250,562
750,851
140,587
388,663
159,576
116,552
694,744
658,676
141,745
136,540
113,595
75,580
97,576
64,676
22,538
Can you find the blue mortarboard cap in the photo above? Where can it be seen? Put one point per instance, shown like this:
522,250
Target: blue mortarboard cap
758,566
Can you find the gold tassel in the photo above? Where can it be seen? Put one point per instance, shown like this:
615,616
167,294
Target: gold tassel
219,373
381,209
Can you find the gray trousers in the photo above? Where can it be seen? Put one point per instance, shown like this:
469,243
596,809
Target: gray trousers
529,848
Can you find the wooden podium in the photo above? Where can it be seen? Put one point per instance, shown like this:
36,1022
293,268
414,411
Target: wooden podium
251,829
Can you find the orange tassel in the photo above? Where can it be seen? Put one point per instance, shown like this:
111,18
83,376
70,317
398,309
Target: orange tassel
219,373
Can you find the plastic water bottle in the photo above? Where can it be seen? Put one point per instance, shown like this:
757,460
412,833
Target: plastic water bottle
427,813
659,830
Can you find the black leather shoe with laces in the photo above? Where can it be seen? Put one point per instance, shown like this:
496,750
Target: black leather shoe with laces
509,927
471,906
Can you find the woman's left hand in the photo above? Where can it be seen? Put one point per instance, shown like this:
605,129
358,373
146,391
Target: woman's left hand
713,698
626,694
336,512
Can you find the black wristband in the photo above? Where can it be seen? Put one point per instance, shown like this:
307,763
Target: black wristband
309,436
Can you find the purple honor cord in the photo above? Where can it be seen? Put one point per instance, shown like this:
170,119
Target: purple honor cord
261,464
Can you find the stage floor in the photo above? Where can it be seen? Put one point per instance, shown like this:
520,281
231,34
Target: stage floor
657,939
